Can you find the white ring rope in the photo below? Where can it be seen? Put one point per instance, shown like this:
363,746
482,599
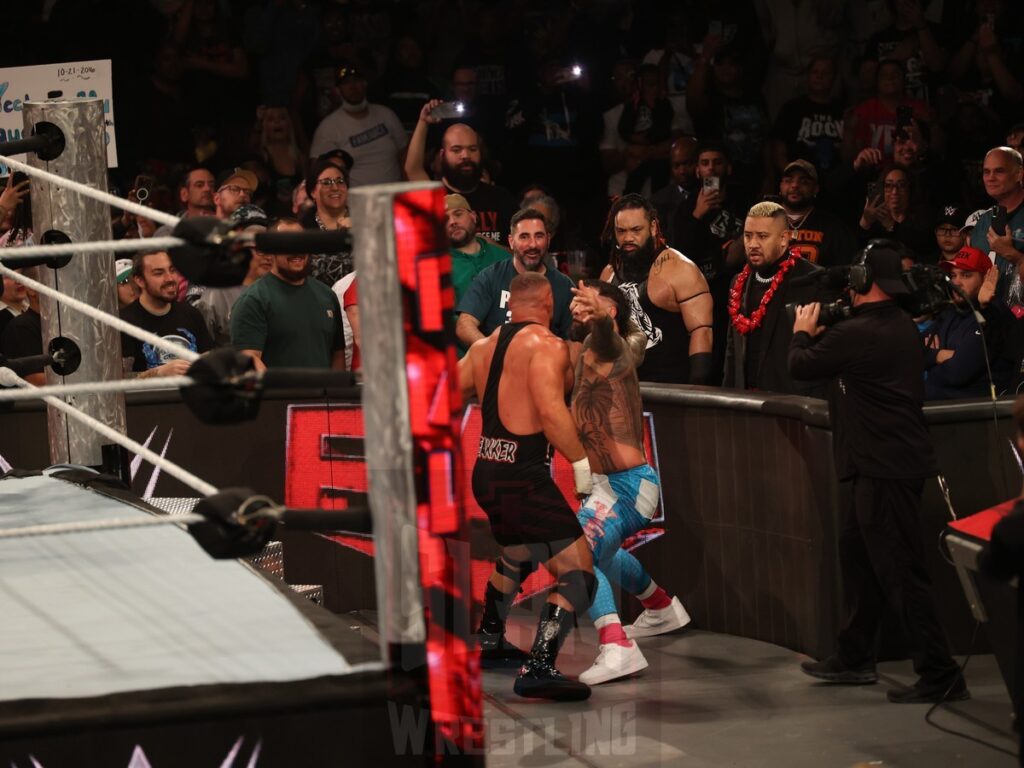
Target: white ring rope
98,387
17,253
106,524
177,350
104,197
9,377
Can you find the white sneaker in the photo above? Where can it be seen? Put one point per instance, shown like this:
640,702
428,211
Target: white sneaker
614,661
658,622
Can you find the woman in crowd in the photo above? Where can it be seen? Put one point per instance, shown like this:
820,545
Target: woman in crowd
891,210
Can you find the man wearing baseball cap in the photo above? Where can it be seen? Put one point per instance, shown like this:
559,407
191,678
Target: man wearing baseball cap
235,187
470,252
371,134
949,233
817,234
127,290
215,303
883,456
954,349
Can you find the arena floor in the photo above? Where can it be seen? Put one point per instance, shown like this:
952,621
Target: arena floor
710,700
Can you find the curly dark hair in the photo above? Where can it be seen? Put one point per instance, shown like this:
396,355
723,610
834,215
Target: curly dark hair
628,202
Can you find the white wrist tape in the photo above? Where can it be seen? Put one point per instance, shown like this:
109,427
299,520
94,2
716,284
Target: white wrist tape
582,477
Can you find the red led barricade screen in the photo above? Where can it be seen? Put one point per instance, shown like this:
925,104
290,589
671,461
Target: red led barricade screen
310,475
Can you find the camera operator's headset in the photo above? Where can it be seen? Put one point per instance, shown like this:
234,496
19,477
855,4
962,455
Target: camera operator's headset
860,278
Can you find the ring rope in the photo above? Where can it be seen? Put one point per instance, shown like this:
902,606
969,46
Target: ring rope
106,524
96,314
21,252
94,388
7,376
104,197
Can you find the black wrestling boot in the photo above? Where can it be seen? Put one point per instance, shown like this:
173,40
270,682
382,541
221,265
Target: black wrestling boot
496,652
538,679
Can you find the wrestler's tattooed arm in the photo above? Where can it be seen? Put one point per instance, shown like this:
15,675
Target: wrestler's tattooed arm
604,340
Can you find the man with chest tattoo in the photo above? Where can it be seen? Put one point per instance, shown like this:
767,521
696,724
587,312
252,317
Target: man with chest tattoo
609,415
667,295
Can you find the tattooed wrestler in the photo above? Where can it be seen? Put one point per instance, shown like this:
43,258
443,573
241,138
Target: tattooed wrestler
607,408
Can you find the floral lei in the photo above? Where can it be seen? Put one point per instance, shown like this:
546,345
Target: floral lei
745,324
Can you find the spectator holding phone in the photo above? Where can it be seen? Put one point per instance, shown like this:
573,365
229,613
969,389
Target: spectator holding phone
873,123
461,166
892,211
999,232
703,229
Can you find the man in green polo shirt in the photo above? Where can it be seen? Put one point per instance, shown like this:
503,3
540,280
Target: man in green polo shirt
470,253
286,319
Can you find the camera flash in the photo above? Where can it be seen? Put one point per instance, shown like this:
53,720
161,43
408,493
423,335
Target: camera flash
577,70
460,107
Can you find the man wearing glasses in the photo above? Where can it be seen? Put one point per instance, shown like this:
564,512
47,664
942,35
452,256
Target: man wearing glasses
949,232
235,187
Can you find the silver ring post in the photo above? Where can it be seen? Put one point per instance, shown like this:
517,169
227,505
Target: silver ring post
90,280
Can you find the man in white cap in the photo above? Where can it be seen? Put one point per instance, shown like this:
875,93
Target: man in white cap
127,290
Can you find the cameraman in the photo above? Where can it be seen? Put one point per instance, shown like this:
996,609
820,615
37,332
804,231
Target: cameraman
883,454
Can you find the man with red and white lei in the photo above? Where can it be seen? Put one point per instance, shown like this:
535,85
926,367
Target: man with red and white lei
757,346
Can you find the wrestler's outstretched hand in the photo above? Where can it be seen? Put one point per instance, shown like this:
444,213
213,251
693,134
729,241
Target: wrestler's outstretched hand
586,304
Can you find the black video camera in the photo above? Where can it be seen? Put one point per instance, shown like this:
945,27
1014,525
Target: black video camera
830,281
930,291
830,313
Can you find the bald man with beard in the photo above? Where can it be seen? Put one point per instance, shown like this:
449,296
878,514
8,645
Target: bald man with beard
461,172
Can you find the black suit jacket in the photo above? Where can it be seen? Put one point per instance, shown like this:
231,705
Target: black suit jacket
667,201
777,330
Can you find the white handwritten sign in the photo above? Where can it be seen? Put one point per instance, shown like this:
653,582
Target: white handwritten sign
37,83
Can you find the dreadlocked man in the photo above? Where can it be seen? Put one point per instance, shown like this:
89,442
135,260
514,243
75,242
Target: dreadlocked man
668,296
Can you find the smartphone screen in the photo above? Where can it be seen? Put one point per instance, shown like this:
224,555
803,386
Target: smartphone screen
999,220
448,110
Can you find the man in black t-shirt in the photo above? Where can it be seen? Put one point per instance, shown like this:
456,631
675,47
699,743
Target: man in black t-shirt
157,311
462,173
816,234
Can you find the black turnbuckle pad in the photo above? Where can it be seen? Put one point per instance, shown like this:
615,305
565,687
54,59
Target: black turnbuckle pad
65,354
238,523
56,237
46,141
52,141
211,256
218,397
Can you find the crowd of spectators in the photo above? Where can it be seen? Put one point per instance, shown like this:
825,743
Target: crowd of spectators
863,119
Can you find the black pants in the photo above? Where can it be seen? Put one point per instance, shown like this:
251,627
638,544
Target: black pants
881,557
